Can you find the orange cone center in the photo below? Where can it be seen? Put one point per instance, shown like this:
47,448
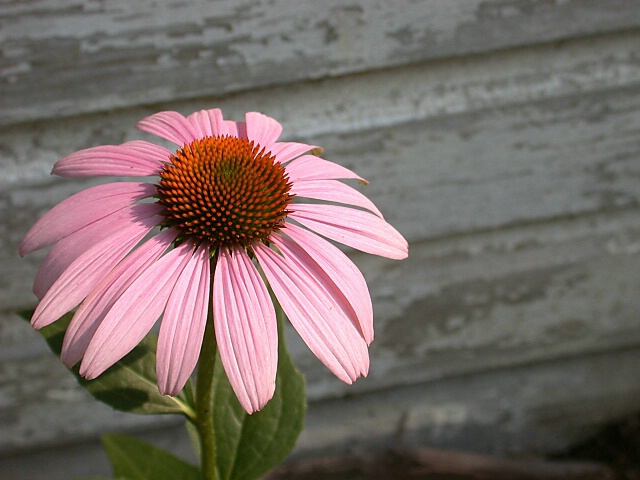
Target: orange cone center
225,191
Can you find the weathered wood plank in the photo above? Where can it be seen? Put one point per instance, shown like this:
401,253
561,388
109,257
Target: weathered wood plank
461,306
568,156
540,407
39,395
377,99
503,167
513,174
496,299
537,408
420,463
72,56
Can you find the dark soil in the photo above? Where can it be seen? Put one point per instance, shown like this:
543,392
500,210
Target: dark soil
616,445
612,454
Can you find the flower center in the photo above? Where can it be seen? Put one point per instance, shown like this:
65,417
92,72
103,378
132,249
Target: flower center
224,190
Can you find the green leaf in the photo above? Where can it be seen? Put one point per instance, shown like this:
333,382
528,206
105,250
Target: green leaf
131,384
134,459
194,437
248,446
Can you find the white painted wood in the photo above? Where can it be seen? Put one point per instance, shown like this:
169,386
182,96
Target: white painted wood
501,137
434,171
460,306
71,56
537,408
355,103
497,299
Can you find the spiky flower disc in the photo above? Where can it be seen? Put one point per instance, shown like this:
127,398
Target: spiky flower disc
225,191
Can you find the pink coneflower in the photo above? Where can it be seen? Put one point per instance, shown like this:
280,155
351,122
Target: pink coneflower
224,202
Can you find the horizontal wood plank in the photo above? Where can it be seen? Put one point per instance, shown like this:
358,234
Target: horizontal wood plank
537,408
562,155
459,307
445,175
356,103
511,412
513,172
476,302
70,57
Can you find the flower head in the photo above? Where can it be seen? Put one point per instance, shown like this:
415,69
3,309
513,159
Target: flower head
229,204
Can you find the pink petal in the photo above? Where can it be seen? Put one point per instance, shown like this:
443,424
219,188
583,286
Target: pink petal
236,129
64,252
87,270
286,151
355,228
134,313
341,270
310,167
262,130
246,329
80,210
95,307
333,191
149,149
315,314
208,123
171,126
183,322
128,159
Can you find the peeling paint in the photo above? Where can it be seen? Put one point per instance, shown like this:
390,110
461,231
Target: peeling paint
501,139
455,307
268,45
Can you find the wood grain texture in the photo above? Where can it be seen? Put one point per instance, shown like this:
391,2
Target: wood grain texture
566,119
552,161
500,136
493,300
524,410
520,205
357,103
70,56
462,306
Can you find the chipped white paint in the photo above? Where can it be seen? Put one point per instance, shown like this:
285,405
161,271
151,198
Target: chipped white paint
384,99
515,410
509,158
118,54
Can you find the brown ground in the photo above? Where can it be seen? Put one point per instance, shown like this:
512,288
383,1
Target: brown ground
612,454
616,445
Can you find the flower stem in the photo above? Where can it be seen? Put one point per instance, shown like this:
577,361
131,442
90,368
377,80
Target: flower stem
204,401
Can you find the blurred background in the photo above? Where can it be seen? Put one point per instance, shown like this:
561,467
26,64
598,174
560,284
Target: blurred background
501,137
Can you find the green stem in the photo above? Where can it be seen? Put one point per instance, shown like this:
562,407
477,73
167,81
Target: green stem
204,402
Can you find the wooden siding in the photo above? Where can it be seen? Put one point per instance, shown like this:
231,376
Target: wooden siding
502,137
117,54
